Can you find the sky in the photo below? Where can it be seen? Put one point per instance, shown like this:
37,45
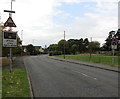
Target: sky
43,22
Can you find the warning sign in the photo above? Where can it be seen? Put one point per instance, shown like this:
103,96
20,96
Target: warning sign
9,23
9,39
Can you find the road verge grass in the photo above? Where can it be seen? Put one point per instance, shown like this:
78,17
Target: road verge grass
94,59
15,84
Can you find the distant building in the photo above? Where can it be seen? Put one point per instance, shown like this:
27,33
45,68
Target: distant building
24,48
37,48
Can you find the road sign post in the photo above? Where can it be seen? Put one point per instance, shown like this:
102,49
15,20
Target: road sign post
10,23
113,46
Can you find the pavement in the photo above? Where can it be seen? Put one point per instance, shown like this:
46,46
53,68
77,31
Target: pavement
95,65
55,78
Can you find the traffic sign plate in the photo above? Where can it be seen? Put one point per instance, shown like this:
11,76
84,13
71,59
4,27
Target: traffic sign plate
9,39
9,23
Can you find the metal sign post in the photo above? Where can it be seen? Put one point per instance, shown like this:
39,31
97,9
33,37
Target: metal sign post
10,23
113,47
10,40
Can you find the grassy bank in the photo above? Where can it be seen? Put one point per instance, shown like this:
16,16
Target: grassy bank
15,84
94,59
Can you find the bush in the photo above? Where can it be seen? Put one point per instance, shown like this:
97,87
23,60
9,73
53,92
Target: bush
55,53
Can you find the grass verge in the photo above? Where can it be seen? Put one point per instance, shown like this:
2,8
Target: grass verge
94,59
15,84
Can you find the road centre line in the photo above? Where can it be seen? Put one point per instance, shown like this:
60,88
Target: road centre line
85,75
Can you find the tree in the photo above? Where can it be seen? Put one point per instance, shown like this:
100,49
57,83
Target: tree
85,44
70,43
113,37
53,50
61,45
17,50
94,46
31,49
74,48
53,47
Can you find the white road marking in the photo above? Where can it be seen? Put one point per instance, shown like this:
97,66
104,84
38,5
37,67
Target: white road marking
85,75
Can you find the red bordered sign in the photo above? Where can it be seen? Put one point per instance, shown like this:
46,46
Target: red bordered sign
9,23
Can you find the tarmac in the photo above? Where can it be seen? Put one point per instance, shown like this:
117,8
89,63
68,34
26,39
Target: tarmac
95,65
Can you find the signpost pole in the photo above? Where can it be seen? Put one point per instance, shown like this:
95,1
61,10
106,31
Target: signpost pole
9,23
113,51
10,60
10,15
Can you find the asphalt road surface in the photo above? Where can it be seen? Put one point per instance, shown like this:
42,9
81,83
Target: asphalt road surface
53,78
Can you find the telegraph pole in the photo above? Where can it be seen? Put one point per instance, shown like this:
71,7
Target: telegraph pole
64,44
90,47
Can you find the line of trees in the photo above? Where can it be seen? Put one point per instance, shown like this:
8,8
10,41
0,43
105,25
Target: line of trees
74,46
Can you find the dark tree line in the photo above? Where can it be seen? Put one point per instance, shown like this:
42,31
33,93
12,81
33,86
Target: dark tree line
73,46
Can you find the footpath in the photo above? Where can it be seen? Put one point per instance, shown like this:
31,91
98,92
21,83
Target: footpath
95,65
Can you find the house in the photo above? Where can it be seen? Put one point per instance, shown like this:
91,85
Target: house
37,48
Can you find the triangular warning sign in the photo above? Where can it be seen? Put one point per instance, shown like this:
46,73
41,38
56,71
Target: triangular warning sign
9,23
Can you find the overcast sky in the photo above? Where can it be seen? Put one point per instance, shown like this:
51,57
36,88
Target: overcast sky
44,21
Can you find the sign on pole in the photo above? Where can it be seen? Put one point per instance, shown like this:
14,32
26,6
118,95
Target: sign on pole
9,23
114,47
9,39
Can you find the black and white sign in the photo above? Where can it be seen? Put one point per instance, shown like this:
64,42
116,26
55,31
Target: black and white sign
114,47
9,39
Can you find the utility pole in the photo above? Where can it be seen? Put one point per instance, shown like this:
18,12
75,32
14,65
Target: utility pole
90,48
64,44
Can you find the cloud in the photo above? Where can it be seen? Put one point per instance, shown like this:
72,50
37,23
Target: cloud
35,18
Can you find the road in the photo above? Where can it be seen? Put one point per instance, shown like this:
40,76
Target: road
53,78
